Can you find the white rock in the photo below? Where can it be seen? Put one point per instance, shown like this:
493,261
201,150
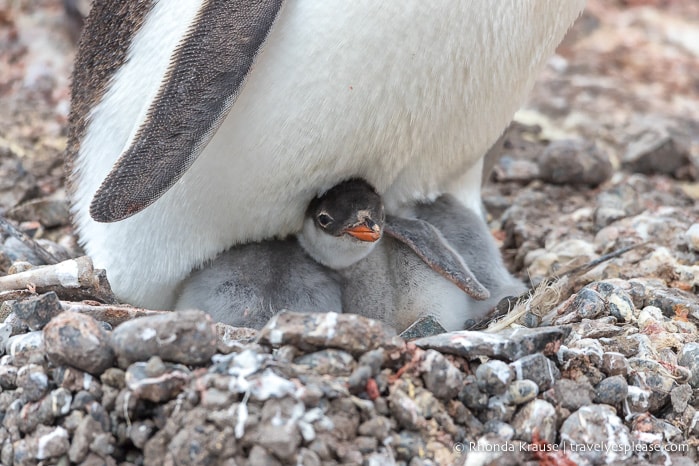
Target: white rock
692,236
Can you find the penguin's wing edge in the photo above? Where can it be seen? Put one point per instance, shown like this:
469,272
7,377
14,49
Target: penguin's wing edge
202,83
430,246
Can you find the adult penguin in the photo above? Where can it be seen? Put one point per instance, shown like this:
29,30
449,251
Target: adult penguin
277,102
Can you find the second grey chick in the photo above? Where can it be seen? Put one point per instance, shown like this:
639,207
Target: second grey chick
467,232
246,285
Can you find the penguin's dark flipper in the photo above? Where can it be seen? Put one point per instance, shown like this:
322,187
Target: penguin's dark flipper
202,83
430,246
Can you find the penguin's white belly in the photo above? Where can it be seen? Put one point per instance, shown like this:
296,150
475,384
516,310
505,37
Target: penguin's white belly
408,95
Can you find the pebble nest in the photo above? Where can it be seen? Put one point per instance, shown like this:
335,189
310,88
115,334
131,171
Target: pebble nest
593,202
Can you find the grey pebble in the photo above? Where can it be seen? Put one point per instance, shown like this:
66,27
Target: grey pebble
79,341
494,377
619,202
33,382
513,169
7,453
689,358
404,410
113,377
658,146
501,429
614,364
215,399
692,237
77,381
637,400
612,390
574,162
18,326
261,457
72,421
583,360
648,374
662,430
350,332
538,368
194,444
46,410
499,409
102,445
378,427
8,377
184,337
408,444
321,446
471,395
357,381
668,300
586,304
441,377
618,301
26,348
602,327
159,385
51,442
50,212
81,400
680,397
365,444
596,425
374,359
423,327
536,416
5,334
522,391
571,394
283,440
307,457
333,362
510,344
37,311
379,458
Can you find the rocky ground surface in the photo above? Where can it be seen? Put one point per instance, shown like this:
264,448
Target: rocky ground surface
594,202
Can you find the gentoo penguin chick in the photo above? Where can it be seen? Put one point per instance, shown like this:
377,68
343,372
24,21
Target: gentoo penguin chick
395,286
246,285
182,108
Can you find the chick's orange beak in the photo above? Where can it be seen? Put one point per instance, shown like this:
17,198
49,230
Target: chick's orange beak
364,233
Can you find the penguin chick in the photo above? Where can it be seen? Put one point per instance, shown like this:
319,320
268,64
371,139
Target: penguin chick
245,286
395,285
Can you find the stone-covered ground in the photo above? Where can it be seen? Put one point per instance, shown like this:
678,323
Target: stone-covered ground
594,203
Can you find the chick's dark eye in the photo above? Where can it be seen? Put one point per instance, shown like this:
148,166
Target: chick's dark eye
324,220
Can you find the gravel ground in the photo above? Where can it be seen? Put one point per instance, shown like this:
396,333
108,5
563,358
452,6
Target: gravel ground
593,203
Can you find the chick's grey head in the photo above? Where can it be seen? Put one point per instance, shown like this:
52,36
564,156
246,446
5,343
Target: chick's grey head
343,225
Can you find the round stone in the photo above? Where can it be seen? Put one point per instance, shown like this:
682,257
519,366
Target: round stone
494,377
692,236
612,390
79,341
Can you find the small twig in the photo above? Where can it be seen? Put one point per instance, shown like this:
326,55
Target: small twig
74,279
594,263
39,251
113,315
